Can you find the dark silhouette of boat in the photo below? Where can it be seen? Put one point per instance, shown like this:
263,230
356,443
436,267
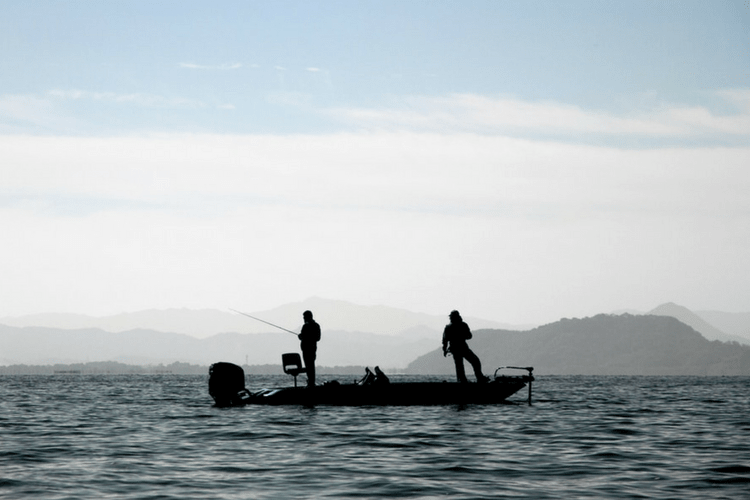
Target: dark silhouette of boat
226,385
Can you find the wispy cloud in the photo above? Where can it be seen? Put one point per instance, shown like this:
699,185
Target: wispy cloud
477,113
222,67
31,112
740,97
23,107
138,99
289,98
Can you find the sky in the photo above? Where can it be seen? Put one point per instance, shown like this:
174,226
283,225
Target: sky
518,161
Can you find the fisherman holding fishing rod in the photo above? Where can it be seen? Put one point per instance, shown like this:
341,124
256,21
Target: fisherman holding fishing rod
309,337
308,342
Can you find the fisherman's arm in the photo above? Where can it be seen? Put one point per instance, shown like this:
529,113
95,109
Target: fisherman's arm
467,332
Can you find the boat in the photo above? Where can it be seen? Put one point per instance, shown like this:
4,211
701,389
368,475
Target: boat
226,385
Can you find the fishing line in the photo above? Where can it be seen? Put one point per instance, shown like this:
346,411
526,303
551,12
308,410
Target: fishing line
264,321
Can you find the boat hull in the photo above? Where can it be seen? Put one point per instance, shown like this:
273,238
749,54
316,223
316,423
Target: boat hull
227,388
398,393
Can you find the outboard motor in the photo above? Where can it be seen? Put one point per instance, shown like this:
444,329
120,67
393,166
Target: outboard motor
226,384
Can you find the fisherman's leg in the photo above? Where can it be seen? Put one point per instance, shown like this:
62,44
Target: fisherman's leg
311,374
476,364
309,358
460,373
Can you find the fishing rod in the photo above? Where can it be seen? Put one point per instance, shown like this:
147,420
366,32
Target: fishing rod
263,321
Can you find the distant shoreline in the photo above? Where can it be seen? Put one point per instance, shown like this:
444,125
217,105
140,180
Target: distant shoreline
116,368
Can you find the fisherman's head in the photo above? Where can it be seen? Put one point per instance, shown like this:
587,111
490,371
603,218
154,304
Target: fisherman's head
455,317
307,316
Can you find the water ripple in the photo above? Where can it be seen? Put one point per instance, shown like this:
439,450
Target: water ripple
137,437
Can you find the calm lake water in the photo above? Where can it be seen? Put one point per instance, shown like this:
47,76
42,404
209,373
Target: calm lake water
159,437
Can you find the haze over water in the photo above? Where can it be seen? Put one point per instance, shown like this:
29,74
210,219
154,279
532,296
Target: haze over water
142,437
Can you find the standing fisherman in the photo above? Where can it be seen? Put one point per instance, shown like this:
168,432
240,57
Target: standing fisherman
309,337
456,334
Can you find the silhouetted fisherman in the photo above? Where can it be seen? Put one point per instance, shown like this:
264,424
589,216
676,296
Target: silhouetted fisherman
309,337
380,377
368,379
376,378
455,335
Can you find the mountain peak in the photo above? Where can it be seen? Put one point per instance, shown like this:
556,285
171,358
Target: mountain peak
691,319
667,307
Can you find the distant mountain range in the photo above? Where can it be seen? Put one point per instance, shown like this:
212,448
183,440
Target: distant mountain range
704,327
203,323
737,324
394,339
601,345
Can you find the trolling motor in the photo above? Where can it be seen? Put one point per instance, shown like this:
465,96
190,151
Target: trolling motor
226,384
525,378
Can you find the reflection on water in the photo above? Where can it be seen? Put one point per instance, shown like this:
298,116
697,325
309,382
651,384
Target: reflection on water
584,437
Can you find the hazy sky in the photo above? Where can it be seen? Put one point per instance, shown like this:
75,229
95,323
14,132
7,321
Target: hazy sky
519,161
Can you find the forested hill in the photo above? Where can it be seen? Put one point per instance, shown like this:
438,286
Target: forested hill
600,345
